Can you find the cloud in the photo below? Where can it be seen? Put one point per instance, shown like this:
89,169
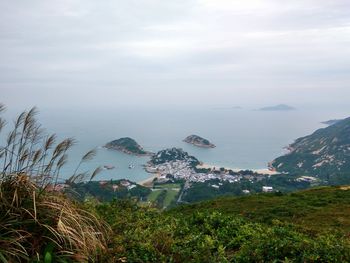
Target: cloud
174,47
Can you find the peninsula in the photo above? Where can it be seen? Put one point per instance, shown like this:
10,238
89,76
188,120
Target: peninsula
199,141
331,122
323,154
128,146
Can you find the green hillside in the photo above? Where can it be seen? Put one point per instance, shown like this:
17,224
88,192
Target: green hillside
324,153
319,210
305,226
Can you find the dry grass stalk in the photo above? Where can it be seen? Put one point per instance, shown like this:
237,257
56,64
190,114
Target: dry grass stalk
32,217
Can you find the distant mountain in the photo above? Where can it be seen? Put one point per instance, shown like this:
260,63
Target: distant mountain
325,152
280,107
127,145
228,108
331,122
199,141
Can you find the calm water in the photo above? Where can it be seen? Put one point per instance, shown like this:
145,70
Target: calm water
244,138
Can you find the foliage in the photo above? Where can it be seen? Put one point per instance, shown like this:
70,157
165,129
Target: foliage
173,154
127,144
323,209
37,222
204,191
143,234
104,190
325,153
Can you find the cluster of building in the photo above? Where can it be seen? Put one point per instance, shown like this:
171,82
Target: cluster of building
183,170
123,183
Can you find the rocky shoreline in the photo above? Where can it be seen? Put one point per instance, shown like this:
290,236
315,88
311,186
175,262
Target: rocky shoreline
199,141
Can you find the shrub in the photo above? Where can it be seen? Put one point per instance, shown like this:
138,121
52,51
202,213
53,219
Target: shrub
38,222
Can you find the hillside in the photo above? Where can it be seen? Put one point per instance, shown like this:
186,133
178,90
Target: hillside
127,145
171,155
306,226
324,153
318,209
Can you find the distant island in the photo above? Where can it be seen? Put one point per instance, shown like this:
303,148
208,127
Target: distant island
198,141
128,146
228,108
331,122
280,107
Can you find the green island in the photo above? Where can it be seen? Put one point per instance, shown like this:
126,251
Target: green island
127,145
180,218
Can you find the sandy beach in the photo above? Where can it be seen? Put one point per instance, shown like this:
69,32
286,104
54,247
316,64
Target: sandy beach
260,171
149,181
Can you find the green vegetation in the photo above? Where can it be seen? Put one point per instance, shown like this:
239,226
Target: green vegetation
37,222
108,190
217,231
167,186
127,145
170,197
324,154
41,223
205,191
323,209
164,195
173,154
152,197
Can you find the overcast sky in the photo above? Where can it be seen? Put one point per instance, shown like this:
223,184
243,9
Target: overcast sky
155,52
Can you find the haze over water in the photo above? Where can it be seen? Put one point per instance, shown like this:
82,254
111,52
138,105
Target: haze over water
245,138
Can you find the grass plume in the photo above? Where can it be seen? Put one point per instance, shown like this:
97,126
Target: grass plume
35,218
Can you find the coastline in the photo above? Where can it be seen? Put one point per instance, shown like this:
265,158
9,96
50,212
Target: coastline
148,182
200,145
265,171
123,150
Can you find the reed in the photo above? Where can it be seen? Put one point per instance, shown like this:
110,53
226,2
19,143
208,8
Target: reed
38,222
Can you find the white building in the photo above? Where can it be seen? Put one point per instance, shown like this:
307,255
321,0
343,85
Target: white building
267,189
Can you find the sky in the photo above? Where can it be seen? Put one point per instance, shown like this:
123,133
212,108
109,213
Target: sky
72,53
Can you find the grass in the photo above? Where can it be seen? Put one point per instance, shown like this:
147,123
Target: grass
37,221
153,195
316,210
168,186
170,196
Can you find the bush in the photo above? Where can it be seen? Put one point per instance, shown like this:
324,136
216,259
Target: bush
37,222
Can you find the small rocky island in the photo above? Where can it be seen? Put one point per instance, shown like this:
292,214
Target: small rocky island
199,141
128,146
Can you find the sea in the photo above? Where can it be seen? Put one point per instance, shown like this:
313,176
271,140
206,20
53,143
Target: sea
245,138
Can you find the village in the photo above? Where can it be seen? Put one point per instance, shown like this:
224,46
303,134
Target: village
184,170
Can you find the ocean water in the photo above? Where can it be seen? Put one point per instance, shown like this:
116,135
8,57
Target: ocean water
245,138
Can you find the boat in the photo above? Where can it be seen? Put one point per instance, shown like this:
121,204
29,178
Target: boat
108,167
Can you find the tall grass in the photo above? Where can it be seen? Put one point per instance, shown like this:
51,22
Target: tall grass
37,222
